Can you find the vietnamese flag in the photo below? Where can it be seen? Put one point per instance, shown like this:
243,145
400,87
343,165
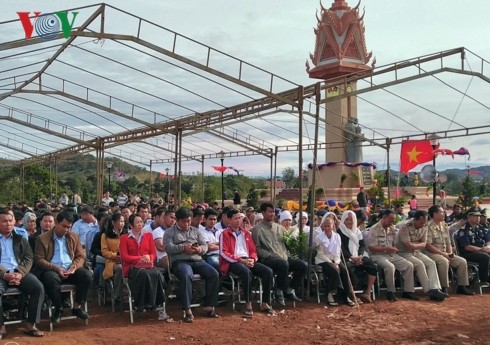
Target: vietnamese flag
413,153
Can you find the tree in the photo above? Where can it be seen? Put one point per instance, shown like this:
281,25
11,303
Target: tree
253,197
288,177
469,191
36,183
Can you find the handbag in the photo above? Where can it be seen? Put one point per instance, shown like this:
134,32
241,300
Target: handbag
99,259
144,265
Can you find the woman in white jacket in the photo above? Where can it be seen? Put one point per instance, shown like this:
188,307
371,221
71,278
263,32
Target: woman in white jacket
355,253
328,248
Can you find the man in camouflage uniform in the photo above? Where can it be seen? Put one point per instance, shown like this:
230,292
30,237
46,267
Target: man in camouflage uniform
412,239
384,253
440,250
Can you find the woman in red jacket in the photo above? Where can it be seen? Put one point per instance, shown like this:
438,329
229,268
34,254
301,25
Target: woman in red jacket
138,254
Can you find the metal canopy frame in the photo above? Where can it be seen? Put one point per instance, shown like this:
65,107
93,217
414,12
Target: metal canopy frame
157,90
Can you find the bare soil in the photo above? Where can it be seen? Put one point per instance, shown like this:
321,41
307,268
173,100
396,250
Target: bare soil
457,320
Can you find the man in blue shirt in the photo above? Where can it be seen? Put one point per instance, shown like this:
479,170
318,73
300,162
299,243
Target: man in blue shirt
15,263
86,227
59,259
473,242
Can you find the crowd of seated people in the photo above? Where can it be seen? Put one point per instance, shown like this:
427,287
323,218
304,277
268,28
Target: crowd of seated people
146,245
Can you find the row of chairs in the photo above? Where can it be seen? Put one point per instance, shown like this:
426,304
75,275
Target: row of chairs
109,288
170,293
316,276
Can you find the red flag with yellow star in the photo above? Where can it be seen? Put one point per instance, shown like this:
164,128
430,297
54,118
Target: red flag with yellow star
413,153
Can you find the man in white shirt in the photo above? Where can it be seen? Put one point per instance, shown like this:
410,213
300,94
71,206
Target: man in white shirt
157,220
224,222
106,200
63,199
211,235
167,222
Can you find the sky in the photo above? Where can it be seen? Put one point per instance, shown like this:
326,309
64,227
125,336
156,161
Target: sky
277,35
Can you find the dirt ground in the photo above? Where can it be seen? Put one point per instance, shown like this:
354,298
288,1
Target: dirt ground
457,320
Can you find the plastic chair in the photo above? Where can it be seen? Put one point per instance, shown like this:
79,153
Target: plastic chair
130,300
473,267
21,298
70,288
236,291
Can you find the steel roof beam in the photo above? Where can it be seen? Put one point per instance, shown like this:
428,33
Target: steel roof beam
187,61
66,44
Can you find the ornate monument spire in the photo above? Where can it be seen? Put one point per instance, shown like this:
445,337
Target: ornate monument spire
340,46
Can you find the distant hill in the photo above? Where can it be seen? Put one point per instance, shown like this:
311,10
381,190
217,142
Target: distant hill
86,165
457,174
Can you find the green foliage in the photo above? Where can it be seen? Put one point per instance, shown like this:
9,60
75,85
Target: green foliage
376,193
37,183
354,177
297,246
288,176
343,177
253,197
399,201
469,191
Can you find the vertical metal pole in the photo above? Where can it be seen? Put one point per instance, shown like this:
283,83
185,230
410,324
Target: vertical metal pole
222,184
434,183
55,178
315,170
177,157
24,181
202,178
275,174
151,173
50,178
100,169
180,168
300,156
313,183
272,188
388,173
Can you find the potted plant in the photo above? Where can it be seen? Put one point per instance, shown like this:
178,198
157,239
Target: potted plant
355,178
342,180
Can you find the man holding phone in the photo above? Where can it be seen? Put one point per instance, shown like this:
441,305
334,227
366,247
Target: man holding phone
59,259
185,247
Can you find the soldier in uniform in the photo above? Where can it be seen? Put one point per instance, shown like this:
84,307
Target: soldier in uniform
483,218
473,242
412,238
440,250
383,252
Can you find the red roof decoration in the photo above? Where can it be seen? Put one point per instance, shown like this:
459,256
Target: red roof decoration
340,46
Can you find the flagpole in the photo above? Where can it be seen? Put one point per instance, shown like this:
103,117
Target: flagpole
222,158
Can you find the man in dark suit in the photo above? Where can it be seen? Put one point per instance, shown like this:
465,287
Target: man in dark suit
15,263
59,259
